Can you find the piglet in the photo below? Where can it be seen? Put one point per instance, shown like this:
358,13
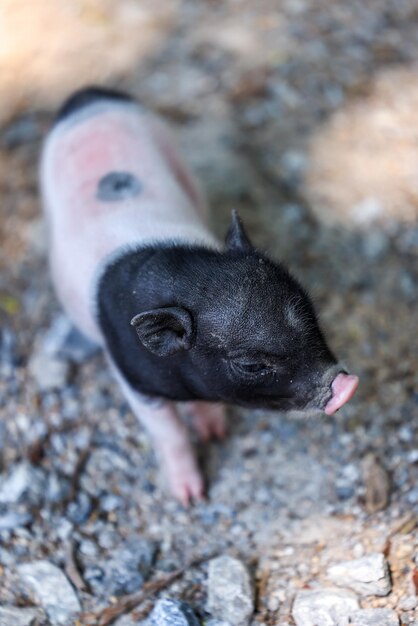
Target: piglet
180,316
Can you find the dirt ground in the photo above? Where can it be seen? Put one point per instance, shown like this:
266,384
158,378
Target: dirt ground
303,116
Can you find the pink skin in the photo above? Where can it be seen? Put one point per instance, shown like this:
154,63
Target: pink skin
84,230
208,420
343,389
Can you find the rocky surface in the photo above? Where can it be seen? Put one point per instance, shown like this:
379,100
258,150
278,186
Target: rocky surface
302,115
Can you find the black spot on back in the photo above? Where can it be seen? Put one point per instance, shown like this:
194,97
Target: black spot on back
117,186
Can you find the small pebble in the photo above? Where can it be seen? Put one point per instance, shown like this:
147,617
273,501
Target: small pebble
172,613
12,520
49,372
408,603
323,607
22,480
344,491
412,496
13,616
79,510
8,348
368,576
273,603
406,434
230,595
51,589
412,456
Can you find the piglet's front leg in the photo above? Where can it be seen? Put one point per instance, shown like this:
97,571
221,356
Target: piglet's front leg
172,444
208,419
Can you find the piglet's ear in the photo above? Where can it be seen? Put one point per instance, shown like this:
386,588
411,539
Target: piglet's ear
236,237
164,331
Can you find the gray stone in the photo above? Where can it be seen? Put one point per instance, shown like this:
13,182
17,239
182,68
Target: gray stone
21,480
56,488
343,490
107,538
13,616
230,595
324,607
63,340
273,603
48,371
408,603
7,558
94,577
8,347
12,519
64,529
368,576
79,510
412,456
51,589
374,617
172,613
15,484
110,502
88,547
406,433
216,622
412,496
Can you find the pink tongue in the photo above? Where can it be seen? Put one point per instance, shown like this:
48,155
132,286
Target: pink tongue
343,389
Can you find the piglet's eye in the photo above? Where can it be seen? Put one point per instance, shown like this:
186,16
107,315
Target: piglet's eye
251,368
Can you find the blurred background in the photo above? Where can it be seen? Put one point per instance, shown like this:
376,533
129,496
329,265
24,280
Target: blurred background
303,115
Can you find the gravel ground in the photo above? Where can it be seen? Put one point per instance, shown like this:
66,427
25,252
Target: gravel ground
302,115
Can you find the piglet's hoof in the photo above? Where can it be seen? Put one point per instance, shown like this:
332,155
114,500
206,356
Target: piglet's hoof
185,482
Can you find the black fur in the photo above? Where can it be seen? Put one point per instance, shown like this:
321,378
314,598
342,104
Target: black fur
86,96
185,322
240,347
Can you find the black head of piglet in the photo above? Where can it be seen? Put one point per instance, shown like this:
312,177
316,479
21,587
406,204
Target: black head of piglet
185,322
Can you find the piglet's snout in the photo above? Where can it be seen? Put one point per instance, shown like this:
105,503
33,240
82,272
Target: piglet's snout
343,389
